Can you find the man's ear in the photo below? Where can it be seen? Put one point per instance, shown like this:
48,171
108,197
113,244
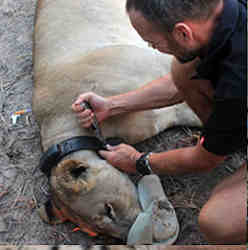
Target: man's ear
182,33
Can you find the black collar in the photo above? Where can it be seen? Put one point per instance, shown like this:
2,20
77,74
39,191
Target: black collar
57,151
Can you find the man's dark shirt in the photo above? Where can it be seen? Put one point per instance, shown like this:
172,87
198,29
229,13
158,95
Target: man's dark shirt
226,67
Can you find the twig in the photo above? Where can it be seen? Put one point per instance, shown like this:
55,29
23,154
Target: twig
3,119
187,131
17,197
172,180
19,245
34,198
2,86
3,193
229,169
28,138
44,191
8,84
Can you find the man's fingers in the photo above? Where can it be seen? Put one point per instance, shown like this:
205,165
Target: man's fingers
109,147
77,107
87,114
81,99
86,124
105,154
114,148
85,120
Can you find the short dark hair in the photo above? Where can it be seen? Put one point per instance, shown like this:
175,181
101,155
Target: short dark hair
167,13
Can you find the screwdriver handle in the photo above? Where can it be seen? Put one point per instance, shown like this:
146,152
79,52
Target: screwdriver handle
86,105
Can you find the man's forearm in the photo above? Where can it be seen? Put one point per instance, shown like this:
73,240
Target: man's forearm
159,93
185,160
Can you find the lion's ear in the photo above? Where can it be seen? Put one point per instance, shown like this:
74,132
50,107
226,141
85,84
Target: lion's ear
71,177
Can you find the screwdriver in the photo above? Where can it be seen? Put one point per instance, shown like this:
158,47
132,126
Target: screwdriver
95,125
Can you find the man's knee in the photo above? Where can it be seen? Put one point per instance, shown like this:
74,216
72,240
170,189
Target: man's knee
223,218
218,232
210,226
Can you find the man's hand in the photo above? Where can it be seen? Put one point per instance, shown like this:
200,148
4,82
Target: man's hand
99,104
122,157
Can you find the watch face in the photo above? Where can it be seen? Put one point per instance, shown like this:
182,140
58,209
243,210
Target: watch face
142,165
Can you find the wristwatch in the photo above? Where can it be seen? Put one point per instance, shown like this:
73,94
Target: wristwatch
143,166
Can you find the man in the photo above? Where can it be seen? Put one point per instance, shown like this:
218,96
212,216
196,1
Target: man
208,39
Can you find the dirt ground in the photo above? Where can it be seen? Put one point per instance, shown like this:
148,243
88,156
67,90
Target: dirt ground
23,187
121,247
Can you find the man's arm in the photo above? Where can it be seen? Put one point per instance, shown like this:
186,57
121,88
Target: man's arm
156,94
159,93
185,160
180,161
